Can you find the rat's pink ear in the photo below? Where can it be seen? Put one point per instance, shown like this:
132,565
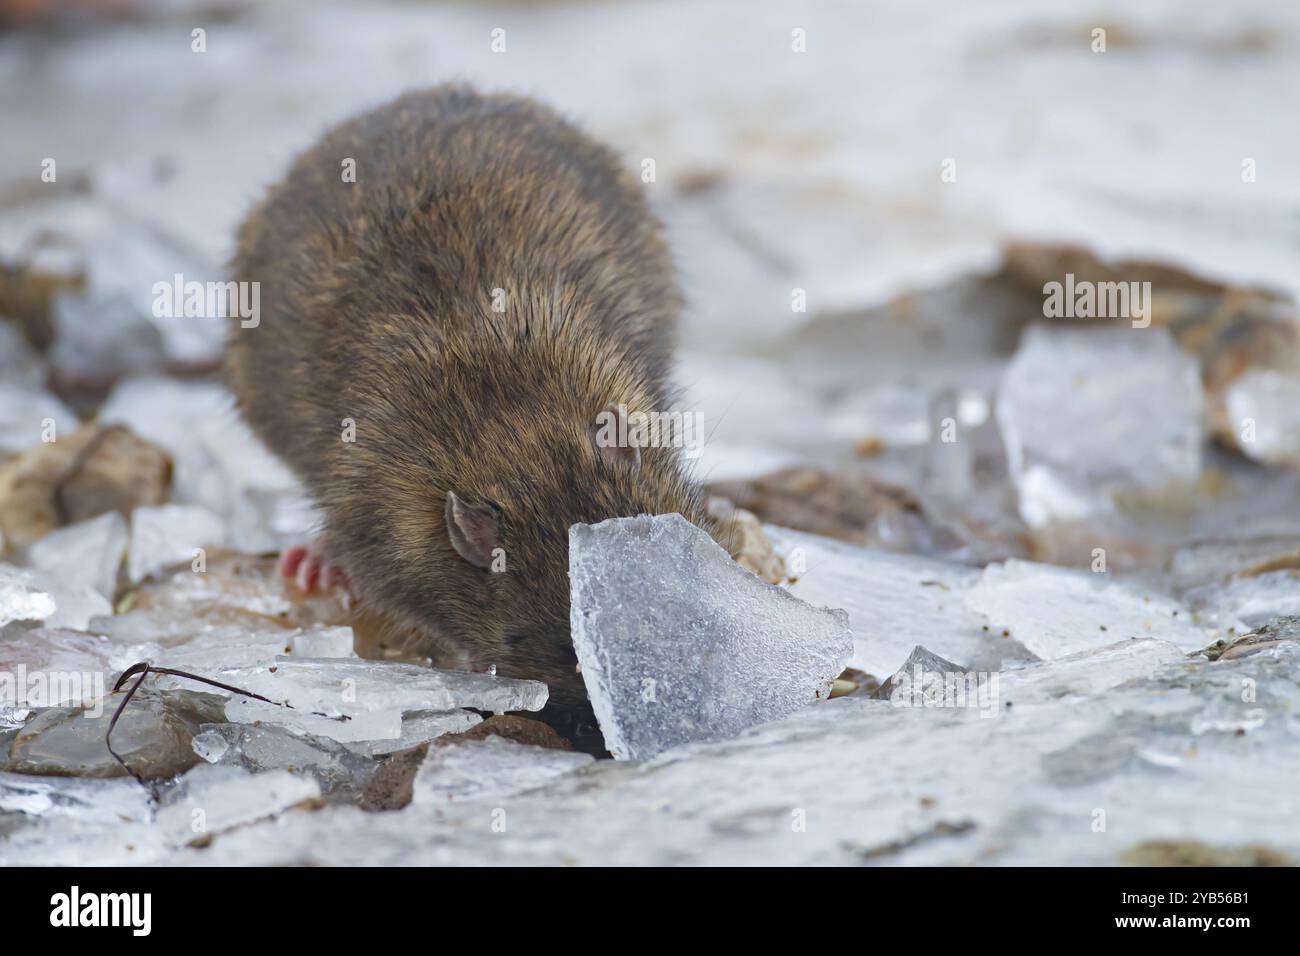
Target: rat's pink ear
610,436
473,531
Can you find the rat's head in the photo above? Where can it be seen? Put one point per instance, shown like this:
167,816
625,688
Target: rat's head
507,535
469,536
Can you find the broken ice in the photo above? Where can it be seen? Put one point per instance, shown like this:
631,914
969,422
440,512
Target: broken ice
491,768
1087,412
21,598
677,643
367,704
894,601
84,555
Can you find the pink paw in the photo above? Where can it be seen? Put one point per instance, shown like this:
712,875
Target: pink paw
311,571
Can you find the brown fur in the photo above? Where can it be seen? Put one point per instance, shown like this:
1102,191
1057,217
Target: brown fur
377,307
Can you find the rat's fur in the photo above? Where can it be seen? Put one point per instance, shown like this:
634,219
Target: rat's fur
377,307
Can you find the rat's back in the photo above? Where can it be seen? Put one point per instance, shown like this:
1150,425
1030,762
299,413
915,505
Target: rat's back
424,226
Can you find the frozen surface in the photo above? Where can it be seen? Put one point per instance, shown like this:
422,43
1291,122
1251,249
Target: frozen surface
1067,406
1069,770
678,643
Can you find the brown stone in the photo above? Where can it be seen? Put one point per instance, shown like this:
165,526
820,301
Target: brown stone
76,477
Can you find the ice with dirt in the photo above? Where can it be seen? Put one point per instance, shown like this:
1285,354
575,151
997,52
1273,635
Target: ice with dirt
1055,612
677,643
1088,412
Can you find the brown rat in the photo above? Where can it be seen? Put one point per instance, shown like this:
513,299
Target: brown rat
489,284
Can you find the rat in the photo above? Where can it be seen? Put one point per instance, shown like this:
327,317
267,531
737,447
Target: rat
440,334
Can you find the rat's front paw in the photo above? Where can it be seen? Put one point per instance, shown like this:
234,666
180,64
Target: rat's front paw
311,572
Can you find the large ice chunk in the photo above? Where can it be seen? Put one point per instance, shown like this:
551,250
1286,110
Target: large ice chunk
1086,412
678,643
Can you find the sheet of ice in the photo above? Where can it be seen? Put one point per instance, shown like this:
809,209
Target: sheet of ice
894,602
1264,412
170,534
679,643
84,555
381,690
208,648
1087,412
489,769
1055,612
381,724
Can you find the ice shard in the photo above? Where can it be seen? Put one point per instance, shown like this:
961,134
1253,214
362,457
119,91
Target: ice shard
677,643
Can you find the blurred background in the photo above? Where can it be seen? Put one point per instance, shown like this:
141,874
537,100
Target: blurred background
866,199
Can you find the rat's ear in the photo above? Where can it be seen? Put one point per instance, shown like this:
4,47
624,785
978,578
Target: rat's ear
473,531
609,435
